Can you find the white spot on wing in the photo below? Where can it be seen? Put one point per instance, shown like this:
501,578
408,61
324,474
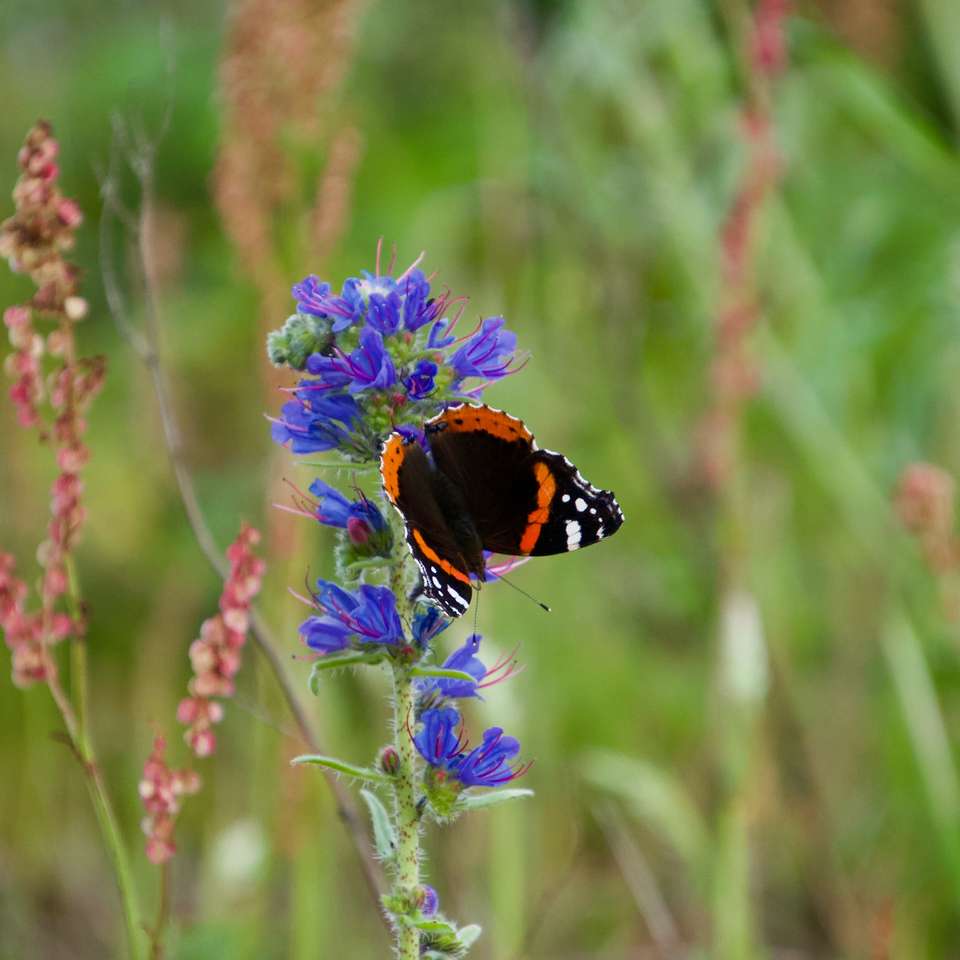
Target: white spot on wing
573,534
580,504
566,498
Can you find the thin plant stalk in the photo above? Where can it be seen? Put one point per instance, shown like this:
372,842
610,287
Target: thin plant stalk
406,816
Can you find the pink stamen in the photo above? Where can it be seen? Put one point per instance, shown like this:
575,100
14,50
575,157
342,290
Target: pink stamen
413,266
379,251
393,259
294,511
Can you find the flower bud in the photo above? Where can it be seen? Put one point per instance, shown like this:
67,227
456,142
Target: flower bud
389,761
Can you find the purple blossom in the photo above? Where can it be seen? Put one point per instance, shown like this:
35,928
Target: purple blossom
366,617
335,510
367,367
420,383
436,741
383,312
439,337
313,423
489,764
419,308
464,659
313,296
427,625
488,353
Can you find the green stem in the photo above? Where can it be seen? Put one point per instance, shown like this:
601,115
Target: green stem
83,745
406,876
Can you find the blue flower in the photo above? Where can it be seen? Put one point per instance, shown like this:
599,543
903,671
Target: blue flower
313,423
488,353
383,312
429,900
464,659
436,741
420,383
335,510
368,367
489,764
366,617
439,338
313,297
428,624
418,308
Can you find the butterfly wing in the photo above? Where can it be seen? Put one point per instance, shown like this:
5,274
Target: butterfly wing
485,453
523,501
570,513
408,481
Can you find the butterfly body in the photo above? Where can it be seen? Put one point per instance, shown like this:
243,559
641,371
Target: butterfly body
483,484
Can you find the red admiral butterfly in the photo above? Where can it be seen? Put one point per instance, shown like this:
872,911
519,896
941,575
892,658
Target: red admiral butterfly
488,487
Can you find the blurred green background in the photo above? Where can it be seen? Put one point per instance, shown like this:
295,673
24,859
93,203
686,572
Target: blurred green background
743,708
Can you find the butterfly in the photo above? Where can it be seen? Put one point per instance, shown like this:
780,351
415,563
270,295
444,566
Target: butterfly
483,484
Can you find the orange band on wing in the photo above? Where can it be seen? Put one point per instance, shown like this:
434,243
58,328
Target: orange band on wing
390,460
434,557
547,487
495,422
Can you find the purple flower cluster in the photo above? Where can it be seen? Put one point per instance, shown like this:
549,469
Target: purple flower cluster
360,620
380,354
443,747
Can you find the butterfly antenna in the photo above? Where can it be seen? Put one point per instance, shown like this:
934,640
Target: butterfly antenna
476,612
503,579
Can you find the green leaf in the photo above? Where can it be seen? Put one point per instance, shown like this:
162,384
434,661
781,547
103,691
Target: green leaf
435,927
476,801
341,766
352,659
469,935
443,673
383,836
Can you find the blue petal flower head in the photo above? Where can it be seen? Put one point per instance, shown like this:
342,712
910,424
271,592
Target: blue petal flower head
313,296
383,312
368,367
372,284
489,764
315,424
370,616
427,625
419,308
420,383
464,659
435,740
335,510
439,338
429,900
488,353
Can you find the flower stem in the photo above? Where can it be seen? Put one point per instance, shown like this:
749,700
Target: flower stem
406,876
407,821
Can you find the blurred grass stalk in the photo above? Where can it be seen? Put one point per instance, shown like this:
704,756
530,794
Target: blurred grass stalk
943,30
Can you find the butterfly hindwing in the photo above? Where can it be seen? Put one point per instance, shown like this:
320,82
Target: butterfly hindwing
409,483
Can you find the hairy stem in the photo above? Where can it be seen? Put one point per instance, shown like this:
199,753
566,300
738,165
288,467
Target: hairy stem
406,877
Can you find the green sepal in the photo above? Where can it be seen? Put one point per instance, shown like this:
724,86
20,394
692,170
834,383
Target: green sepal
341,661
384,838
477,801
340,766
442,673
299,337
